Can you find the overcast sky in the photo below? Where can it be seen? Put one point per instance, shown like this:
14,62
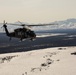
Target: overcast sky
37,11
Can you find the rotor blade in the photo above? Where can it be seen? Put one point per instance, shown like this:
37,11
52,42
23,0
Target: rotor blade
17,24
13,24
4,22
31,25
41,24
3,28
20,22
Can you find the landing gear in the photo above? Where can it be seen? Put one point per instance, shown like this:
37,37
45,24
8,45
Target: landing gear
32,39
21,39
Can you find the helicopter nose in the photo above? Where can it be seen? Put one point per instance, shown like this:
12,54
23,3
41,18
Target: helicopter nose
34,35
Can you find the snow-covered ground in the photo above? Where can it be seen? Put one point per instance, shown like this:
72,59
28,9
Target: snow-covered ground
50,61
48,34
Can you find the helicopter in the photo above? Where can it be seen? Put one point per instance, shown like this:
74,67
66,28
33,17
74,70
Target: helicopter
22,33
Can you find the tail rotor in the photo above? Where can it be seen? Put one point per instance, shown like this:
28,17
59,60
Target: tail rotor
4,24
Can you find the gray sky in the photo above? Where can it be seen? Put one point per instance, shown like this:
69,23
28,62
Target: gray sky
37,11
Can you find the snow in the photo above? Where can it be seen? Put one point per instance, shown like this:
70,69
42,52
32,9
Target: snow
48,35
49,61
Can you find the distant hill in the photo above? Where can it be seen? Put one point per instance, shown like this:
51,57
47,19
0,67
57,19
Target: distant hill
68,21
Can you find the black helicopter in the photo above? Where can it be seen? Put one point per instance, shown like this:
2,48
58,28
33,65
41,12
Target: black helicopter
22,33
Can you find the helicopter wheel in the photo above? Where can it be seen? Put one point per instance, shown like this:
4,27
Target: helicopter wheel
31,39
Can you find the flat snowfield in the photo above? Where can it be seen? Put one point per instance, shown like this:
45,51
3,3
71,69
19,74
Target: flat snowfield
50,61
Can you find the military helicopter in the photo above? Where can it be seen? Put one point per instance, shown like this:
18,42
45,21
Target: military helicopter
22,33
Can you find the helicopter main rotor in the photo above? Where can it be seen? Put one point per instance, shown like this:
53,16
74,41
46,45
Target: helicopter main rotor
27,25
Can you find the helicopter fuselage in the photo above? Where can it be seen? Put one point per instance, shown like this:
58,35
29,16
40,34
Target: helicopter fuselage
22,33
